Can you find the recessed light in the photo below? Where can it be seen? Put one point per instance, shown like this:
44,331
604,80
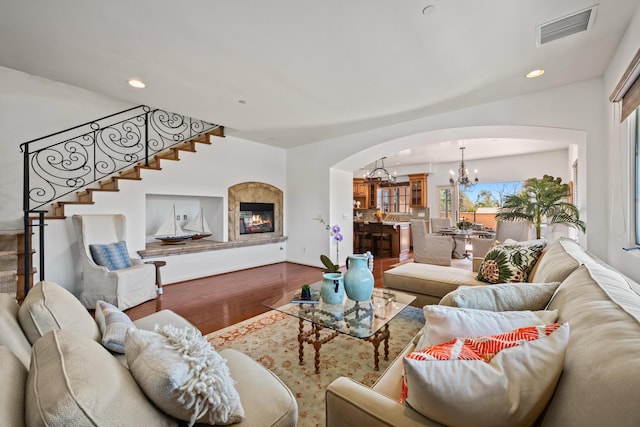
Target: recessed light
428,10
535,73
136,83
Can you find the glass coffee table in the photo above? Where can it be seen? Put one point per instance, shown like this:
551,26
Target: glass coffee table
319,323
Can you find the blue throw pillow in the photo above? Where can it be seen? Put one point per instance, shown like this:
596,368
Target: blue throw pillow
114,256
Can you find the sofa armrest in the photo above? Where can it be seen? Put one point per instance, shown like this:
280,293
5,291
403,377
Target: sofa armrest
162,317
349,403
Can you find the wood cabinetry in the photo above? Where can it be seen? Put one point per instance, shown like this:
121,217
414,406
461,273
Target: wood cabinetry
418,185
364,193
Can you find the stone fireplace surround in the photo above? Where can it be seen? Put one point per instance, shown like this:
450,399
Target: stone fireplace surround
254,192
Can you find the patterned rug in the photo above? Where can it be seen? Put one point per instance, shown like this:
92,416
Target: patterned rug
271,339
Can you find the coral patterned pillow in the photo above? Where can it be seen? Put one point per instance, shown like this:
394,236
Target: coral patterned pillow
509,263
500,380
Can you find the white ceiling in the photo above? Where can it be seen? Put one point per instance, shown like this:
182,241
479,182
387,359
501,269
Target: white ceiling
293,72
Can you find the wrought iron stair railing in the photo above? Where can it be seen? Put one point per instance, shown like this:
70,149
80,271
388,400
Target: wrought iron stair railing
69,160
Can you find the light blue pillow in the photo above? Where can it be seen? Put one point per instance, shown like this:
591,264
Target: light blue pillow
114,256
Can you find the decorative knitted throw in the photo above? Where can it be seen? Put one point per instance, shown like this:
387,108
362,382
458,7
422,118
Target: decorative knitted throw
179,371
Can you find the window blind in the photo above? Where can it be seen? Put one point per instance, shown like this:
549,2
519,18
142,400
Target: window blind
628,88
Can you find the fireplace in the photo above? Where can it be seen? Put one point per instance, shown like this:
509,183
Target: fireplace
256,218
255,212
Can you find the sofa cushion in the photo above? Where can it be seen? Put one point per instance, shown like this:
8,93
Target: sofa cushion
13,377
267,400
433,280
502,297
49,306
442,324
508,263
11,334
113,324
182,374
501,380
114,256
601,379
74,381
558,260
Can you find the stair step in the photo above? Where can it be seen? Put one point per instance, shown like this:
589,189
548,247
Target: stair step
8,242
109,184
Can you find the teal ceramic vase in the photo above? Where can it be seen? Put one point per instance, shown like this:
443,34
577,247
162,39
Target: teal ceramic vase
358,280
332,288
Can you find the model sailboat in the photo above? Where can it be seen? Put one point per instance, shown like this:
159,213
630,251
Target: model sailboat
199,226
170,232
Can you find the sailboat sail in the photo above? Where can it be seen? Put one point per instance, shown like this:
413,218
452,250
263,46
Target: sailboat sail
199,226
171,231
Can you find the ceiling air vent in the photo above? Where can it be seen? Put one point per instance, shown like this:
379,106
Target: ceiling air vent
566,26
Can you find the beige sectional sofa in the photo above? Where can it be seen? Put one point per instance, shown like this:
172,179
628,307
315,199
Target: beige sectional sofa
55,372
600,380
429,283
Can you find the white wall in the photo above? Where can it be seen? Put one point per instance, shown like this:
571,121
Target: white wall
572,113
207,173
511,168
618,200
33,107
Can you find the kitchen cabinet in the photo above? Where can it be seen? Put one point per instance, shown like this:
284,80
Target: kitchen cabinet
418,185
366,194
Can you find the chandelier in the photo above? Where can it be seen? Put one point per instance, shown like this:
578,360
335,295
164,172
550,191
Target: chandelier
379,175
463,173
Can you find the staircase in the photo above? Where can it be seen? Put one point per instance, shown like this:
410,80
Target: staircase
154,136
85,196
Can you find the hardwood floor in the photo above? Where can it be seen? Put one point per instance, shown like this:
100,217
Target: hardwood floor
215,302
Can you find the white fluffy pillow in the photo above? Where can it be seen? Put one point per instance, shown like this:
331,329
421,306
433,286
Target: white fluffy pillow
442,323
505,380
113,324
502,297
180,372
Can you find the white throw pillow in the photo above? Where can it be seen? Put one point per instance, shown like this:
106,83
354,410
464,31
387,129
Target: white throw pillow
505,380
502,297
442,323
113,324
180,372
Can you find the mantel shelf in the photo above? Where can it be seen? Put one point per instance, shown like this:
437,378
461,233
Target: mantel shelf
157,249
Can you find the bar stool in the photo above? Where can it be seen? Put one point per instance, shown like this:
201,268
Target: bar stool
362,235
379,239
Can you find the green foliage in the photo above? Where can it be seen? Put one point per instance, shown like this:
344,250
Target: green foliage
305,287
330,266
466,205
486,199
542,200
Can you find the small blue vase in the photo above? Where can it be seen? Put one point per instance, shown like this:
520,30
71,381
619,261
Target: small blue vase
332,288
358,280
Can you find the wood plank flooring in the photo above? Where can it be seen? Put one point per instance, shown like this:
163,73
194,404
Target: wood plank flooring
215,302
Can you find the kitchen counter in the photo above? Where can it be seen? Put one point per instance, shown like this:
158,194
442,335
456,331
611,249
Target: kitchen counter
400,232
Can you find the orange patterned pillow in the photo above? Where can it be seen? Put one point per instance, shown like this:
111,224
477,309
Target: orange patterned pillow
499,380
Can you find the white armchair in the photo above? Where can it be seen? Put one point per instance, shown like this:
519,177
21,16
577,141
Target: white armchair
125,287
519,231
438,224
429,248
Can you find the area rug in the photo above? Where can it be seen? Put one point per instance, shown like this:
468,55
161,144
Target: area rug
271,339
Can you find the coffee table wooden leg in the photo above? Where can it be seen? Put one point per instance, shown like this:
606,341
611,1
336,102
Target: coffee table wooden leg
301,341
386,342
317,343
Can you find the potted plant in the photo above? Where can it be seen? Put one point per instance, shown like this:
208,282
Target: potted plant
541,200
305,292
330,267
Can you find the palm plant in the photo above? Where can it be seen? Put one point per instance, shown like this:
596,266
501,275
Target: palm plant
542,199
